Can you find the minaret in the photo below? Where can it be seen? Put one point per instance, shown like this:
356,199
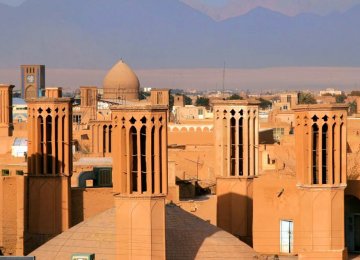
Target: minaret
320,140
6,119
236,129
140,180
49,168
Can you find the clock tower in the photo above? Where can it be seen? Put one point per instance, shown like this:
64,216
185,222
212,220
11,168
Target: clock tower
32,81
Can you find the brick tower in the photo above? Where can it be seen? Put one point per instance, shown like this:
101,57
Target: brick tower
6,120
49,169
32,81
320,138
140,180
236,141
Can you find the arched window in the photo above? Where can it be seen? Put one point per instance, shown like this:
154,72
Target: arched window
49,152
315,154
341,151
160,157
104,138
153,159
143,158
324,152
232,146
241,144
110,138
134,158
40,123
56,145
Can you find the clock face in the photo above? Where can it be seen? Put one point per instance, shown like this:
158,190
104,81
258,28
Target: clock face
30,79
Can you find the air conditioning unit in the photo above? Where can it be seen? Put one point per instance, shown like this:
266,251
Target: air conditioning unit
83,256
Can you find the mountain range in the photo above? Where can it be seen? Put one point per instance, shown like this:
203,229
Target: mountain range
94,34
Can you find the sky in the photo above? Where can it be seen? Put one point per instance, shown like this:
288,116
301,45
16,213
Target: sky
222,9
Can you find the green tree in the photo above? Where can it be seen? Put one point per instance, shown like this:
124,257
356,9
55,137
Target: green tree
264,104
340,98
187,100
143,95
234,97
306,98
202,101
352,107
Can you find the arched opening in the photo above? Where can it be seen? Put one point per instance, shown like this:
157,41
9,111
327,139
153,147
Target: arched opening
30,92
56,145
324,153
110,138
341,151
143,158
333,152
160,157
352,223
134,159
153,159
104,138
241,152
62,145
123,159
49,151
232,146
315,154
40,124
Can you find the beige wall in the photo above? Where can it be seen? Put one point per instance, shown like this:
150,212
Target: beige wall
88,202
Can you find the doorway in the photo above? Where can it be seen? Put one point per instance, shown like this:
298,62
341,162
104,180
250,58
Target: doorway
286,236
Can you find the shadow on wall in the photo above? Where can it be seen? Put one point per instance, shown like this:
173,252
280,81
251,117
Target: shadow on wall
46,201
266,136
235,215
77,205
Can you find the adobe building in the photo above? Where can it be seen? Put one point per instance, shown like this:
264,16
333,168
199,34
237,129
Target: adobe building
121,181
236,145
304,210
49,168
140,180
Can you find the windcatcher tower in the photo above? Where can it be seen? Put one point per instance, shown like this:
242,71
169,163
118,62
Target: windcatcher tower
320,138
140,180
236,143
49,168
88,103
6,120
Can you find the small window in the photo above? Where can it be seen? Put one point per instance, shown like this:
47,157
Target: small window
5,172
19,172
103,177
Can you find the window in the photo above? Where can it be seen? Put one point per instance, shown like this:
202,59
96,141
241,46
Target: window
315,154
19,172
286,236
5,172
232,147
103,177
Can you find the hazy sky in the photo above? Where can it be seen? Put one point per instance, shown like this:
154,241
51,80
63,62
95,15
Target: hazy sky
227,8
222,9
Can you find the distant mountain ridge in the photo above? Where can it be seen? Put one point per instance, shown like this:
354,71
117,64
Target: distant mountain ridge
171,34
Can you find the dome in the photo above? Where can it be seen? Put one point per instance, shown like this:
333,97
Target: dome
121,83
